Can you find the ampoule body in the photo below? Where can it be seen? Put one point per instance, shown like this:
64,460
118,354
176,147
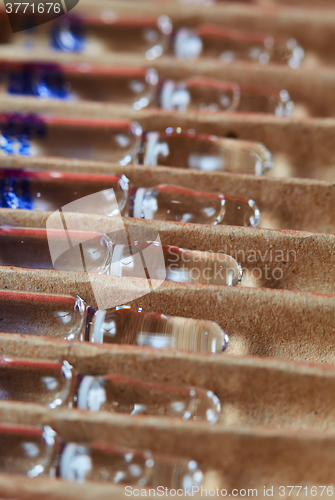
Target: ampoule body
68,317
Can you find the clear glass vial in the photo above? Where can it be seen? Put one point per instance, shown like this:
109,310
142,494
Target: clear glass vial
97,35
136,87
58,384
186,149
234,45
83,139
69,318
34,451
96,253
90,34
181,265
206,94
170,203
110,196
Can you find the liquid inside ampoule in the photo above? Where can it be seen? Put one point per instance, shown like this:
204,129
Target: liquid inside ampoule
27,450
50,191
201,94
123,395
185,149
123,325
258,100
234,45
34,451
130,86
42,382
95,35
71,250
180,265
69,318
62,316
98,140
170,203
57,384
103,462
95,253
207,94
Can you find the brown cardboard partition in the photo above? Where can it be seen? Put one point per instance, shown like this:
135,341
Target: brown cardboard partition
295,204
280,260
242,458
313,29
311,90
244,385
262,322
301,148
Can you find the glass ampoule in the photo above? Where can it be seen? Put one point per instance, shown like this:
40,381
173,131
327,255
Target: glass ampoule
27,450
263,100
96,35
34,451
91,35
50,191
136,87
86,139
187,149
206,94
203,94
235,45
125,143
57,384
96,253
32,381
171,203
69,318
180,265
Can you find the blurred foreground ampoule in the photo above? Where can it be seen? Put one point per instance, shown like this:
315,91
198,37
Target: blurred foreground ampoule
170,203
186,149
50,191
137,87
58,384
69,318
207,94
101,140
235,45
92,34
34,451
124,143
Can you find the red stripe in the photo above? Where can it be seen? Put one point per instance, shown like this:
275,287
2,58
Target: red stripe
30,364
43,233
61,176
36,297
23,430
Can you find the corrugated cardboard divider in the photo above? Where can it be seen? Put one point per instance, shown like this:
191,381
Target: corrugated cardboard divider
268,322
301,147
